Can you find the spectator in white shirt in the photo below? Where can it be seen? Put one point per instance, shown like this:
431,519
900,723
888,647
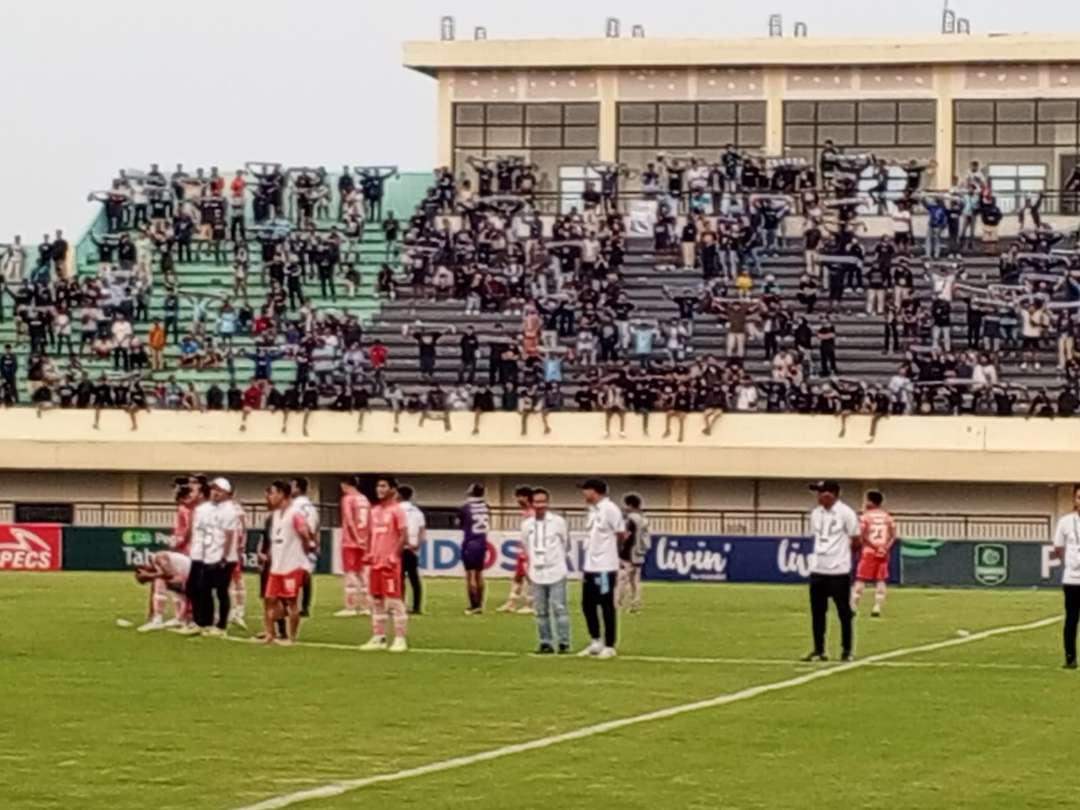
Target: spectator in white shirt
416,535
606,527
1067,550
547,542
835,528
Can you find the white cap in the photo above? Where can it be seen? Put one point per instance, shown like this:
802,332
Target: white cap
222,484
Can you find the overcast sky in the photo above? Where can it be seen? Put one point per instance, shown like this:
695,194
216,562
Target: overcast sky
89,87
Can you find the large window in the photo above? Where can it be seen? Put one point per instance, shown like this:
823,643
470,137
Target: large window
889,129
1025,144
549,135
701,129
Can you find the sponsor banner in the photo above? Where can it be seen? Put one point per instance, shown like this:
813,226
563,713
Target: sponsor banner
736,559
31,547
641,217
440,556
117,549
978,564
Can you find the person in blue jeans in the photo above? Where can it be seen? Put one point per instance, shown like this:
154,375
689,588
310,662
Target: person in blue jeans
936,223
546,541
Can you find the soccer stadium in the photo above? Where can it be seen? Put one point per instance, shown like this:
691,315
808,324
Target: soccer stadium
691,422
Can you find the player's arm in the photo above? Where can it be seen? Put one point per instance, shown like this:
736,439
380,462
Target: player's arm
1058,552
891,537
303,529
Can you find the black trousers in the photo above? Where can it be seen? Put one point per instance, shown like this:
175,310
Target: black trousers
222,578
836,587
410,570
199,593
306,593
1072,619
598,600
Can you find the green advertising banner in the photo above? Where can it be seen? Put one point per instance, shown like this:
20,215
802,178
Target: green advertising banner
977,563
120,549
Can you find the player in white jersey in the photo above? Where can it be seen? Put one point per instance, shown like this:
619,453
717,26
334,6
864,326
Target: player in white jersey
291,541
167,570
302,503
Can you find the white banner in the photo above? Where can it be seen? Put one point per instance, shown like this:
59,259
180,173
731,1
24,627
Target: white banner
440,556
641,217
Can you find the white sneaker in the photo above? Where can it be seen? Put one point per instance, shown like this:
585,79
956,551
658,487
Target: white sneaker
594,648
399,645
283,642
156,623
239,621
171,623
187,630
346,613
606,652
374,643
526,611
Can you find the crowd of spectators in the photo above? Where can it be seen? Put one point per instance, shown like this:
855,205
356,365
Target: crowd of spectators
569,334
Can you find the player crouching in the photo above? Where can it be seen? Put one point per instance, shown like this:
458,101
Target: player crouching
166,571
291,540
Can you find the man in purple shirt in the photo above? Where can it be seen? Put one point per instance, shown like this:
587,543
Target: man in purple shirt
474,528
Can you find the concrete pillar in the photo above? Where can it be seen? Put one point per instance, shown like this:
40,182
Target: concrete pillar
947,82
1063,502
678,493
774,110
444,146
608,85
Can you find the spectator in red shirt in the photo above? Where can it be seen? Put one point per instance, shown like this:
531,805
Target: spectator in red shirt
377,356
253,399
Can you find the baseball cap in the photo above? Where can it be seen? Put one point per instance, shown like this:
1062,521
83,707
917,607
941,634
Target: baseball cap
222,484
826,486
595,484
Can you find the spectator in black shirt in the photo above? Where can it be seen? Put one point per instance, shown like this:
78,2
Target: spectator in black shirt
470,349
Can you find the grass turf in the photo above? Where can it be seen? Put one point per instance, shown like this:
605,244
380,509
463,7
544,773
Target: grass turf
99,717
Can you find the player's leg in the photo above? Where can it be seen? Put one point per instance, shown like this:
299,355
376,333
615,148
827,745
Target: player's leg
352,594
364,601
636,601
481,587
379,580
395,606
270,618
590,606
158,599
840,588
238,596
1072,620
622,586
819,605
292,610
543,619
856,593
879,597
607,610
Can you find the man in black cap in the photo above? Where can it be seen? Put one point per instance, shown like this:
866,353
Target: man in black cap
835,528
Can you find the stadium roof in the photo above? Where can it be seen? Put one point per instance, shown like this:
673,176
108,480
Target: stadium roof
430,57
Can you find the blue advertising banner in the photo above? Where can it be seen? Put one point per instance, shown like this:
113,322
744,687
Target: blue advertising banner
737,559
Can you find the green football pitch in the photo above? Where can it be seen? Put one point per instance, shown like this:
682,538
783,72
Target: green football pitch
936,712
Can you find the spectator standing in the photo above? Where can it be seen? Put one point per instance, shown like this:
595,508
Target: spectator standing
416,536
547,543
606,527
835,528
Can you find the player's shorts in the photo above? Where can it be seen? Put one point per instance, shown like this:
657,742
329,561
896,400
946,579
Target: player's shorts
353,559
872,568
386,582
285,586
521,569
473,556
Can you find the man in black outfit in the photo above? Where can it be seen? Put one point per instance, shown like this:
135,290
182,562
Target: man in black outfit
1067,550
410,555
835,528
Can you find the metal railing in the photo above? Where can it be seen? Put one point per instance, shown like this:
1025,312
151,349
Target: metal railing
737,522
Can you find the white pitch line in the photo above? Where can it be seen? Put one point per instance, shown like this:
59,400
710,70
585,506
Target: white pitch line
348,785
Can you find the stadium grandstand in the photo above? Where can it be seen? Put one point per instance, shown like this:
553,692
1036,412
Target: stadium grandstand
668,321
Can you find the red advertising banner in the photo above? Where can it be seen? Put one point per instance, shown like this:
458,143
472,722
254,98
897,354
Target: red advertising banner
30,546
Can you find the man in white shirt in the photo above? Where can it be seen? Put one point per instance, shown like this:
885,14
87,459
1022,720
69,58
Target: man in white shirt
547,542
835,528
606,528
223,555
1067,549
416,527
302,504
200,579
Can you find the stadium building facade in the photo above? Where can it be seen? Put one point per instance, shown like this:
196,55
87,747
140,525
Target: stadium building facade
1011,102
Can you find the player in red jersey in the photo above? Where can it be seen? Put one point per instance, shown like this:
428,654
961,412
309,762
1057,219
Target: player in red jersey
878,530
389,532
519,588
355,542
291,541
